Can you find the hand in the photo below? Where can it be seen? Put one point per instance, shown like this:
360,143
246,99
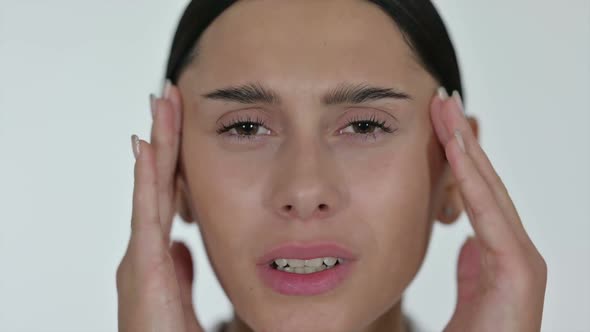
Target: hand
154,281
501,276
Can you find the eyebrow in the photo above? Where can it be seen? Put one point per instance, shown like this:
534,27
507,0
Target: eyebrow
344,93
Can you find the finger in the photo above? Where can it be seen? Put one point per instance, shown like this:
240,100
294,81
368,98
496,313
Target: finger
165,139
454,118
147,286
183,266
487,219
174,96
145,222
436,105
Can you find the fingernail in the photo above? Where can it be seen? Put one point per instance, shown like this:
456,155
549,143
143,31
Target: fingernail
442,93
135,145
459,101
153,105
460,140
167,87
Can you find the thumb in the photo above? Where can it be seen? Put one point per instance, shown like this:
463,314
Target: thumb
469,273
469,270
469,284
183,266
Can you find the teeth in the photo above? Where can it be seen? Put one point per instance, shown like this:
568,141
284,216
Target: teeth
281,262
303,270
309,269
301,266
330,261
296,262
316,262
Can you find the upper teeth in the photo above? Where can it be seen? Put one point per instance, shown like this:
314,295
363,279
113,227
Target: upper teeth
299,265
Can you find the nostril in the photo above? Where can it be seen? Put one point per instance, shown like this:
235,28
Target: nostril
323,207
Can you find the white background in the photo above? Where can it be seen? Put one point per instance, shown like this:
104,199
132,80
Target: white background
74,82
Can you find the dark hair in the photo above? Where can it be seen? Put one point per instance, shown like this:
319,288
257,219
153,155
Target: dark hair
419,21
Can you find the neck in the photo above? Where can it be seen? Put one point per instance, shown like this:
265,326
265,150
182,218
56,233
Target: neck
392,320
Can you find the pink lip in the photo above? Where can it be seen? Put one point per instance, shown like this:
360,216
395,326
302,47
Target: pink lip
305,284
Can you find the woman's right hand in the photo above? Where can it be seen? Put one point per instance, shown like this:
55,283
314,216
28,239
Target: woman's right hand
154,280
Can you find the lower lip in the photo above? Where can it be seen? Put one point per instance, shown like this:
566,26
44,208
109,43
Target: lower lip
288,283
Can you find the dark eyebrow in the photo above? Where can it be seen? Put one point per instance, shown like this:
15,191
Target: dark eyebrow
345,93
250,93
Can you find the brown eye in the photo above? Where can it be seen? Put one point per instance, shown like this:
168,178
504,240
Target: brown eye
245,128
364,127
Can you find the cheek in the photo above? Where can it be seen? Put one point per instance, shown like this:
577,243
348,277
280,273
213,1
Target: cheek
225,196
221,182
392,196
392,191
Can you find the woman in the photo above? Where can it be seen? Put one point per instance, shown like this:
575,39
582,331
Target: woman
315,144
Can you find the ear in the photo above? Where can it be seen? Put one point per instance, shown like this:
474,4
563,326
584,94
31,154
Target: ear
182,200
452,205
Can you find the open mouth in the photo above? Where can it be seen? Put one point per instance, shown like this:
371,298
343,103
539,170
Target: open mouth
305,266
306,269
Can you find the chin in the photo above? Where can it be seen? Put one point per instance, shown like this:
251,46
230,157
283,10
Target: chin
324,313
302,321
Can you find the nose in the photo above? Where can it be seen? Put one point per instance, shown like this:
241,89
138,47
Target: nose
305,184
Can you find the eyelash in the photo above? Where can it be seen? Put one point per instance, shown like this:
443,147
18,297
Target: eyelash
240,122
372,121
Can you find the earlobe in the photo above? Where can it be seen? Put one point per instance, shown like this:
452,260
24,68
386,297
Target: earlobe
449,214
453,203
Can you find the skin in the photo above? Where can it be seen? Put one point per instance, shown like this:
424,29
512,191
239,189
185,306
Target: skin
378,194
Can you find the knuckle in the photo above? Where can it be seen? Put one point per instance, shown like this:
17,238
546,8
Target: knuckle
530,274
537,264
120,273
542,270
543,265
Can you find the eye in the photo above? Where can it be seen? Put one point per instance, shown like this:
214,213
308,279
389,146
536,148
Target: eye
244,128
366,127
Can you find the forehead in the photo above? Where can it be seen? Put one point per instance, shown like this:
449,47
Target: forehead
312,42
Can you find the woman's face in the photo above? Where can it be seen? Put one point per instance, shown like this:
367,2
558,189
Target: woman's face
307,175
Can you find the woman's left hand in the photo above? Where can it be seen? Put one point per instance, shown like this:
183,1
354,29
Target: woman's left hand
501,275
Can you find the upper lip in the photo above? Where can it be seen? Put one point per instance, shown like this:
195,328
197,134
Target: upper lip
297,250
